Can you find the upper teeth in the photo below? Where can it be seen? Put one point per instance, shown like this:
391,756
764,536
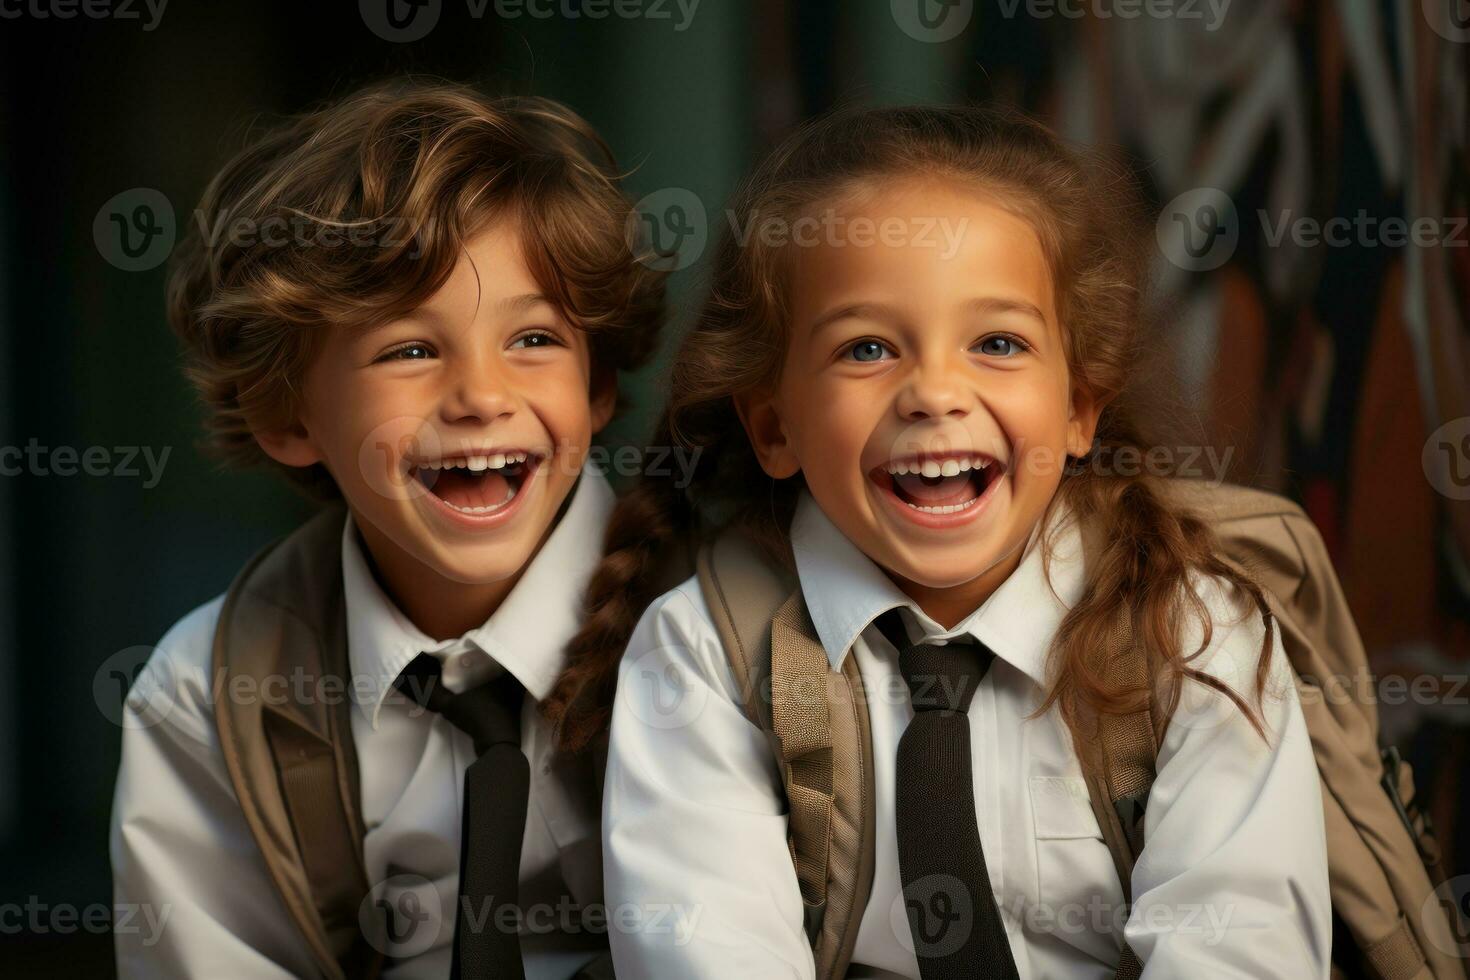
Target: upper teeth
476,464
953,466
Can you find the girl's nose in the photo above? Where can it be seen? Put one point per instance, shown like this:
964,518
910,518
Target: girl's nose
934,390
477,393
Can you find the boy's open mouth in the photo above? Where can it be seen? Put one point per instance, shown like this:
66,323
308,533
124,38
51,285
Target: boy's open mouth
477,484
944,484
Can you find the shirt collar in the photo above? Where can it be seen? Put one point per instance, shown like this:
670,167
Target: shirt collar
527,635
845,591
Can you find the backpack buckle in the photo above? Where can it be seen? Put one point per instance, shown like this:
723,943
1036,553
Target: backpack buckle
1130,810
815,913
1409,811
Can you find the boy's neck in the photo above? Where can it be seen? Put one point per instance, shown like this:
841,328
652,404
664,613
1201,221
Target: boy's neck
442,608
950,606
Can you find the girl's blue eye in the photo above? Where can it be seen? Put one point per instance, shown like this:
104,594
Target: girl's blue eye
867,351
999,346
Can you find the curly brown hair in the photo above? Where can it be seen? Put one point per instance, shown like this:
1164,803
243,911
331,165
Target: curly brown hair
1084,208
356,213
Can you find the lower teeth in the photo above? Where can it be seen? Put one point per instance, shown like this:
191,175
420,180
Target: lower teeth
948,509
490,509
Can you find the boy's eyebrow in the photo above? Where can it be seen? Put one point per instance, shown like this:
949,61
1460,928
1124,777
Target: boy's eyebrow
509,305
522,303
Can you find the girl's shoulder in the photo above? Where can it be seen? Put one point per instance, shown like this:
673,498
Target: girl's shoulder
676,639
682,611
1225,637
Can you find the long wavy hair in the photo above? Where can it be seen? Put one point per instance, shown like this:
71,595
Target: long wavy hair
1084,209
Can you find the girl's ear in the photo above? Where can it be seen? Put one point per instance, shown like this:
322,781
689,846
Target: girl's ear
291,445
763,426
1082,426
604,396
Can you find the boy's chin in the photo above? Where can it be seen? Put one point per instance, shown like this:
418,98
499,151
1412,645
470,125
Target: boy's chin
481,565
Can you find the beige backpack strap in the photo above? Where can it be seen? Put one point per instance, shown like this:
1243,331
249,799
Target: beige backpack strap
820,725
743,590
292,763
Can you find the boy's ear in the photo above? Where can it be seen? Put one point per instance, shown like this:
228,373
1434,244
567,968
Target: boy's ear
761,418
604,397
290,445
1082,426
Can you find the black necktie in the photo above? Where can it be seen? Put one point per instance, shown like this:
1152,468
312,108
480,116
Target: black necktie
952,915
497,786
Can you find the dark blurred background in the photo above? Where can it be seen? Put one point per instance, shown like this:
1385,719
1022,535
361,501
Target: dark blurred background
1335,372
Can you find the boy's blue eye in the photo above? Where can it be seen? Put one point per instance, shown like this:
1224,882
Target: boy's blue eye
409,352
867,351
533,340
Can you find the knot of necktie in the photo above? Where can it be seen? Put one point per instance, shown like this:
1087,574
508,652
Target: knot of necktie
940,676
489,714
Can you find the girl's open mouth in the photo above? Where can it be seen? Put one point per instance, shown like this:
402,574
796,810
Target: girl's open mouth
477,485
938,486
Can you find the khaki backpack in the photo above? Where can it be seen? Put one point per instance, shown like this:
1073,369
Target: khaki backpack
293,764
1383,861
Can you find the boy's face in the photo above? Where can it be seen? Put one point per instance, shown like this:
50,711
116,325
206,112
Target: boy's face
926,396
456,432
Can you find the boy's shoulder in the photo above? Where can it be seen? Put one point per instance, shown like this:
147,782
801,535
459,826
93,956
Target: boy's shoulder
173,688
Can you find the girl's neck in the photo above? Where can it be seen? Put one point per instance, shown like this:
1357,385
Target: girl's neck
950,605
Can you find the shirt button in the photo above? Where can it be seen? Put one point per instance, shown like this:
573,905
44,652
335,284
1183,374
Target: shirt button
466,660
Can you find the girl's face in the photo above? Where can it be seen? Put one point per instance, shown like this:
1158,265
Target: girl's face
925,395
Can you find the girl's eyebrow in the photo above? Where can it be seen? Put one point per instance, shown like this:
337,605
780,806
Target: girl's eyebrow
999,304
887,314
863,311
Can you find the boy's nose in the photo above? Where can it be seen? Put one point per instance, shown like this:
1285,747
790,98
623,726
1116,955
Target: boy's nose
477,393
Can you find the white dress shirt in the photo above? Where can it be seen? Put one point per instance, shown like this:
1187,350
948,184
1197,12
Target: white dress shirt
180,842
1232,881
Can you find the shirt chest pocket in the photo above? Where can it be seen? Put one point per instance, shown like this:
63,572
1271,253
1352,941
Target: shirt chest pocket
1080,899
